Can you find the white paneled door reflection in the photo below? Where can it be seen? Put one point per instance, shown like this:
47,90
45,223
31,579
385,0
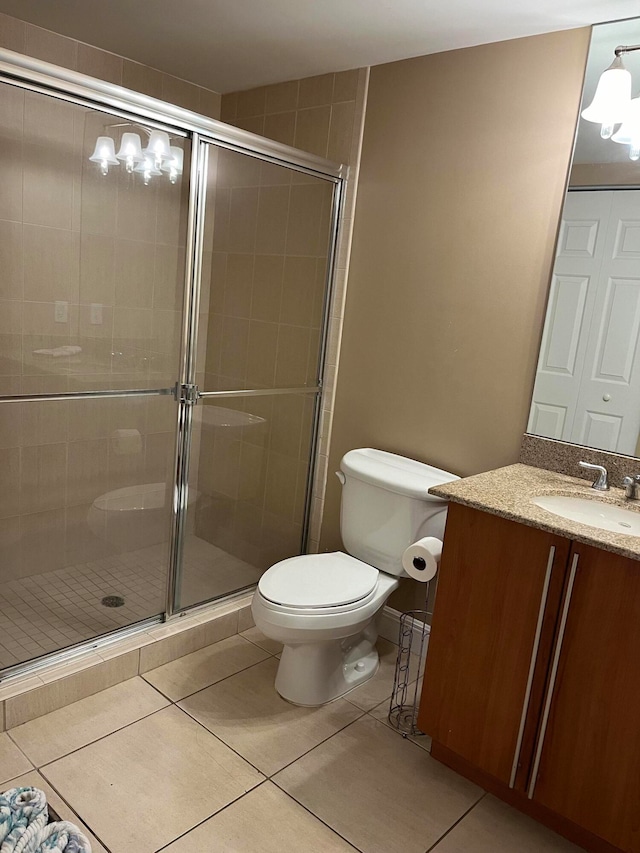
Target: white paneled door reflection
587,388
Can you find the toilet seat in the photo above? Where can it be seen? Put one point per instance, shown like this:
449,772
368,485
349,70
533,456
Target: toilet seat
317,582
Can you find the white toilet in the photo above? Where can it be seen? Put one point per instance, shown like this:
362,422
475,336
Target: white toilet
323,607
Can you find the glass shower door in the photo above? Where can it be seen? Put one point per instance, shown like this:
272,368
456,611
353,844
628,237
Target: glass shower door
266,254
91,292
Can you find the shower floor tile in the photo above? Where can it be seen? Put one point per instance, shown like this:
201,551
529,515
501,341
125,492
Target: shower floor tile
46,612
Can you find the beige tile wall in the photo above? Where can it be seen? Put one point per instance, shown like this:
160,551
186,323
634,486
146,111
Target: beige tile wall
68,234
269,256
325,116
68,53
108,253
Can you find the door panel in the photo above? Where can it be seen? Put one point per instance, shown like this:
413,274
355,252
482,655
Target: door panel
248,485
265,274
91,292
588,378
489,604
589,766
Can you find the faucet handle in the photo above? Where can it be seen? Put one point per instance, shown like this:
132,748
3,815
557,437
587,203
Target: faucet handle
631,485
601,483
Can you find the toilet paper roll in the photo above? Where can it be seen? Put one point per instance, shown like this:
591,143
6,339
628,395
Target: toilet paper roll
126,442
420,560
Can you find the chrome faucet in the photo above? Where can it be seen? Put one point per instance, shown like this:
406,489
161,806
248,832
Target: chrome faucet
601,483
631,485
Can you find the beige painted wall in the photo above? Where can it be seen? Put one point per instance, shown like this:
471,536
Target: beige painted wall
464,163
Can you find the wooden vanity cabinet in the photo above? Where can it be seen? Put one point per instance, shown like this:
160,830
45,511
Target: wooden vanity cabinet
532,681
589,769
482,673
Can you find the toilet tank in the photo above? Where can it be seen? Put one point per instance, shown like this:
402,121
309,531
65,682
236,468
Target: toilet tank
385,506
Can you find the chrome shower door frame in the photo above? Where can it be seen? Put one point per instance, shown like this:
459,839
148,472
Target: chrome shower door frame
70,86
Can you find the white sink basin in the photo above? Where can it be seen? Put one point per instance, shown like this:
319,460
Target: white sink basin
594,513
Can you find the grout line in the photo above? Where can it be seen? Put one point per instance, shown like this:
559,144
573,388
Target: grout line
213,683
215,814
40,767
314,815
320,743
453,825
73,811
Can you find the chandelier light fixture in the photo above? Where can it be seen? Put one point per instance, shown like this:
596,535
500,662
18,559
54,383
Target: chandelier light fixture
612,104
158,157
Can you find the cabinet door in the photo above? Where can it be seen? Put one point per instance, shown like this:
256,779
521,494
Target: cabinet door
498,595
589,768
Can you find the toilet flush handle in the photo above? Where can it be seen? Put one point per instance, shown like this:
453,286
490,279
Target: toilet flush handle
341,477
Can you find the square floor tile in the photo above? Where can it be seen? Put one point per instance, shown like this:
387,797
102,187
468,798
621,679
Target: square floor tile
184,676
380,687
256,636
378,791
494,827
265,820
61,732
246,712
35,780
12,761
145,785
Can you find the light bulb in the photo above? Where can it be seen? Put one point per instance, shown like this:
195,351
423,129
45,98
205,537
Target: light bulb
174,163
611,99
148,169
629,132
130,150
158,147
105,154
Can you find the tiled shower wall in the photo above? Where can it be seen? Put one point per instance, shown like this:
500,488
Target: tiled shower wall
69,235
268,282
325,116
42,44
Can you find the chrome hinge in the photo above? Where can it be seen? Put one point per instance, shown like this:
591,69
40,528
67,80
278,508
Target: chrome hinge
187,393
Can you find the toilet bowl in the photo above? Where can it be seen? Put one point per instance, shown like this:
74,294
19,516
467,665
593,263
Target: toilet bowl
133,517
323,607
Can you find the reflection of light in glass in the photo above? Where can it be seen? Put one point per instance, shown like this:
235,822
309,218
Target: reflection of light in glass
104,154
158,147
612,98
148,169
629,133
174,163
130,150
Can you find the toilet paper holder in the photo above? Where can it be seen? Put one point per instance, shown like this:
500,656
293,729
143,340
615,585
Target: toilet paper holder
413,639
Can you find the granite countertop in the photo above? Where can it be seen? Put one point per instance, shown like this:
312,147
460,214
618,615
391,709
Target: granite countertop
509,492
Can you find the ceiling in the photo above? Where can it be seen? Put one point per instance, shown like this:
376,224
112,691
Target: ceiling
227,45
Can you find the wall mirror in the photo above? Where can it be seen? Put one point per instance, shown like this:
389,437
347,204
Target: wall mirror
587,384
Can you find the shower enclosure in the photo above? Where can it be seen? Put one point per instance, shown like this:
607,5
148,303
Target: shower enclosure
164,289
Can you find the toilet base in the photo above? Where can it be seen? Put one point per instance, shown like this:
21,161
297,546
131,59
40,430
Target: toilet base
312,674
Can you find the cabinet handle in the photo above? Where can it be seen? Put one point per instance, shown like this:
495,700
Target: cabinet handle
552,677
532,664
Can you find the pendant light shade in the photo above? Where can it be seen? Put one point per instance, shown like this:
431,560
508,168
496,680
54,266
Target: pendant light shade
158,147
130,150
174,163
629,133
611,99
104,154
147,168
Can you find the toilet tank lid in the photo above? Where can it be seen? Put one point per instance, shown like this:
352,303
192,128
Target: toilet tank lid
394,473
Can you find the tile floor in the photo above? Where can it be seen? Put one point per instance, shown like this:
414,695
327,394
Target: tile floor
43,613
202,755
